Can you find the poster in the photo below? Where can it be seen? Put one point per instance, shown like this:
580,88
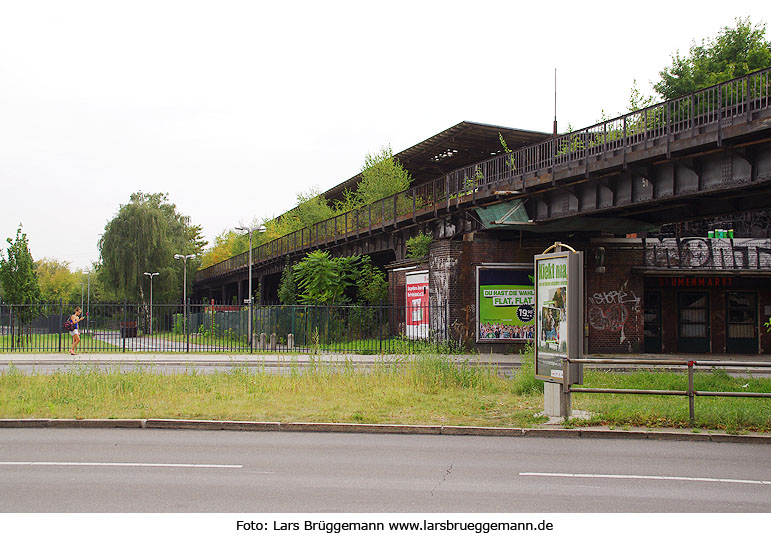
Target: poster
505,303
417,305
552,313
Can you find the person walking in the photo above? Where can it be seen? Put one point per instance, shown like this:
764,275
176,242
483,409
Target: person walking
75,334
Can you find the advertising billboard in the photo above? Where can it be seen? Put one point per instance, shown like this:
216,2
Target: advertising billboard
559,313
417,316
505,303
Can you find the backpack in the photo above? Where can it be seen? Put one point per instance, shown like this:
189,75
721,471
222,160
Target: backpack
68,325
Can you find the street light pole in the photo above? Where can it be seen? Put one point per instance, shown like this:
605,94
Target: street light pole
251,231
151,275
88,298
185,258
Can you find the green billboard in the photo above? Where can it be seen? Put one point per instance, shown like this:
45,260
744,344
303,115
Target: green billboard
505,303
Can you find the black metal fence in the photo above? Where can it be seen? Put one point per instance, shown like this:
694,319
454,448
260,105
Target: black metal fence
137,327
713,108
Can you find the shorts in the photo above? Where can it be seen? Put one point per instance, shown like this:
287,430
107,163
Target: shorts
74,332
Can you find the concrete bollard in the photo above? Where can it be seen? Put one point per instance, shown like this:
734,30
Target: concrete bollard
273,341
290,341
262,341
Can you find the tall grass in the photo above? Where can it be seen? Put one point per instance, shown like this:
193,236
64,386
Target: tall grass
425,389
419,389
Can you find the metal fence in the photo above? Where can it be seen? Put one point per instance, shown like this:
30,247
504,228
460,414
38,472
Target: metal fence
711,109
136,327
691,393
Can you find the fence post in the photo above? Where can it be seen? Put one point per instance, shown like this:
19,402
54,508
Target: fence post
123,329
691,406
187,325
565,402
61,322
380,329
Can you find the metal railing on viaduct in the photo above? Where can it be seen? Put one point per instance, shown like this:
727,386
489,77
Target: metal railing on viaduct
709,115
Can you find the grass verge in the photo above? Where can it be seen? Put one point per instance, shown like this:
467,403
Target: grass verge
428,389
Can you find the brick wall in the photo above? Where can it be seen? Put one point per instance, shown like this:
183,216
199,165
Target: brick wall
614,300
453,277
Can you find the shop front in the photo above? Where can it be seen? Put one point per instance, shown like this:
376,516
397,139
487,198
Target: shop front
706,314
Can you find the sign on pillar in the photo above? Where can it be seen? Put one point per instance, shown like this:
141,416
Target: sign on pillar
559,284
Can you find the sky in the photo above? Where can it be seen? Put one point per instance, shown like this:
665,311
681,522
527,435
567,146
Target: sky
232,108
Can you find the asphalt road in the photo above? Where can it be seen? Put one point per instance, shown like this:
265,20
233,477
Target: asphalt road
123,470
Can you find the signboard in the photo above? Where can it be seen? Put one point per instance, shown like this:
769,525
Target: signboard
505,303
559,313
417,305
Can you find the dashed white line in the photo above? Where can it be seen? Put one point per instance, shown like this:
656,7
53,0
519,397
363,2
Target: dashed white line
644,477
76,464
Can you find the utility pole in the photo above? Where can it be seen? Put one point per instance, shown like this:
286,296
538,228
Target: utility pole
151,275
251,297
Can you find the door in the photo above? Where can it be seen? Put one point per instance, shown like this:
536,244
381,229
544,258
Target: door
652,321
741,322
693,322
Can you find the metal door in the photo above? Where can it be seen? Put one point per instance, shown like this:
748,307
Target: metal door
693,322
741,322
652,321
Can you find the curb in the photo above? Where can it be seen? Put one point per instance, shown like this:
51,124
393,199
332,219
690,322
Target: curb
308,427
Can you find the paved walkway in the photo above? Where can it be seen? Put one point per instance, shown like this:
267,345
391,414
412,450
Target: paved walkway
505,363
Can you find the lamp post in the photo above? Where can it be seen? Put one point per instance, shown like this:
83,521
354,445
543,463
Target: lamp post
81,295
184,258
251,231
151,275
88,297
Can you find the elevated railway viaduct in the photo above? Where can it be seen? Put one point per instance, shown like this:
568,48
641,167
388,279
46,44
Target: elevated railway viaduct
702,156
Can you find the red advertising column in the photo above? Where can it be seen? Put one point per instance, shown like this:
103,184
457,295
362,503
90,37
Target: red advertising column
417,321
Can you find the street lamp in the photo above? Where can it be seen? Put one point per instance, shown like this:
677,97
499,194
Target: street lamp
260,229
151,275
185,258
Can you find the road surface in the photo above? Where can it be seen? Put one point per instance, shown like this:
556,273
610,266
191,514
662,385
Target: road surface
143,470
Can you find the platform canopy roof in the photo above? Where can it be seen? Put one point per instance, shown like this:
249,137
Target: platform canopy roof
459,146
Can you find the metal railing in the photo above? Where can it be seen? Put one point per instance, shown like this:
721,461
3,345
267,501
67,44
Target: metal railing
136,327
691,392
715,107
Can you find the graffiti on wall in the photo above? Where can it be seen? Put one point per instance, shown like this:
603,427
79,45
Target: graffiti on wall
708,253
612,309
442,268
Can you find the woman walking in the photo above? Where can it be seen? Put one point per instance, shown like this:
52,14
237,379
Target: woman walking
75,334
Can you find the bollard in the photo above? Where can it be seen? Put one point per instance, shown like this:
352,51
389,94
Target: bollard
273,341
290,341
262,341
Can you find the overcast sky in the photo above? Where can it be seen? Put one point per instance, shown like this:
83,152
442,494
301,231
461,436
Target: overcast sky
232,108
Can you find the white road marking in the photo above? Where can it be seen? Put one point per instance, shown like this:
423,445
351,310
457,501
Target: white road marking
74,464
642,477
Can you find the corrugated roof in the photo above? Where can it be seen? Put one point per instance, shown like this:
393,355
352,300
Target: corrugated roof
461,145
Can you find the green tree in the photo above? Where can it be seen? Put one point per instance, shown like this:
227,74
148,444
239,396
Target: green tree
733,53
287,289
20,286
227,244
57,281
381,176
372,284
17,272
143,237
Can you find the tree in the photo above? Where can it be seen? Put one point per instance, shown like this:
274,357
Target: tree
17,272
20,286
57,281
287,289
227,244
733,53
143,237
381,176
